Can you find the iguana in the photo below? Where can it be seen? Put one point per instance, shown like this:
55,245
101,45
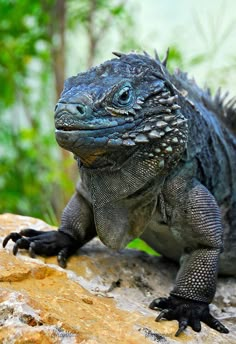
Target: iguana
157,159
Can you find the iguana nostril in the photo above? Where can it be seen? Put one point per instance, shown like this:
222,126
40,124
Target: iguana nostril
81,109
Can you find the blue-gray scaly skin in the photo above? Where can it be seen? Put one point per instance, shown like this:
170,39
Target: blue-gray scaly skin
157,159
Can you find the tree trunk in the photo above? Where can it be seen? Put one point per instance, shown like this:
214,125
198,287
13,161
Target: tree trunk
58,46
58,55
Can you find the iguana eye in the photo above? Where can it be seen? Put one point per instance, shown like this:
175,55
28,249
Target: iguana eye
123,97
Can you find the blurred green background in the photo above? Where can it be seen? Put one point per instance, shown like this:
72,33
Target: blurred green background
44,42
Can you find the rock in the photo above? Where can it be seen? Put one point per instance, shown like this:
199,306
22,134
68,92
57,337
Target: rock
102,297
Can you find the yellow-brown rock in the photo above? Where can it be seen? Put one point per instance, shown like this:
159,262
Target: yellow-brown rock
101,298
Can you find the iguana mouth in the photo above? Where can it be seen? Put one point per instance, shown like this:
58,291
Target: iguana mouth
67,122
83,130
78,129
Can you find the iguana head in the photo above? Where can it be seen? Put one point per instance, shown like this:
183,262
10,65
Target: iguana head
125,104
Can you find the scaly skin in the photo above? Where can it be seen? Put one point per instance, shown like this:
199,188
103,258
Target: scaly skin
157,159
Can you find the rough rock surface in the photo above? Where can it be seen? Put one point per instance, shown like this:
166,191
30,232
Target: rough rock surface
102,297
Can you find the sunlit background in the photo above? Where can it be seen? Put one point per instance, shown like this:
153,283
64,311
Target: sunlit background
44,42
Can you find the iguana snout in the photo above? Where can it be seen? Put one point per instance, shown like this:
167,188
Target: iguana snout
73,116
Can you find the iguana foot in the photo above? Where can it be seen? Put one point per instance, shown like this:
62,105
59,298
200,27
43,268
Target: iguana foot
48,243
187,312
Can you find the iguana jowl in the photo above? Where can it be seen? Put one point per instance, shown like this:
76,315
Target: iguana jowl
157,159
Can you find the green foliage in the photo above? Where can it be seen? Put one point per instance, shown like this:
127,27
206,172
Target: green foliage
18,167
27,178
140,245
102,12
99,21
26,146
21,31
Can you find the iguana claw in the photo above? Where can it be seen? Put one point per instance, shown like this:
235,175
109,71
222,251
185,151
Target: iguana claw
48,243
187,312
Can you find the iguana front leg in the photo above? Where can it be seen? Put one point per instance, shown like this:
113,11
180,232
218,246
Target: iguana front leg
195,220
77,228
